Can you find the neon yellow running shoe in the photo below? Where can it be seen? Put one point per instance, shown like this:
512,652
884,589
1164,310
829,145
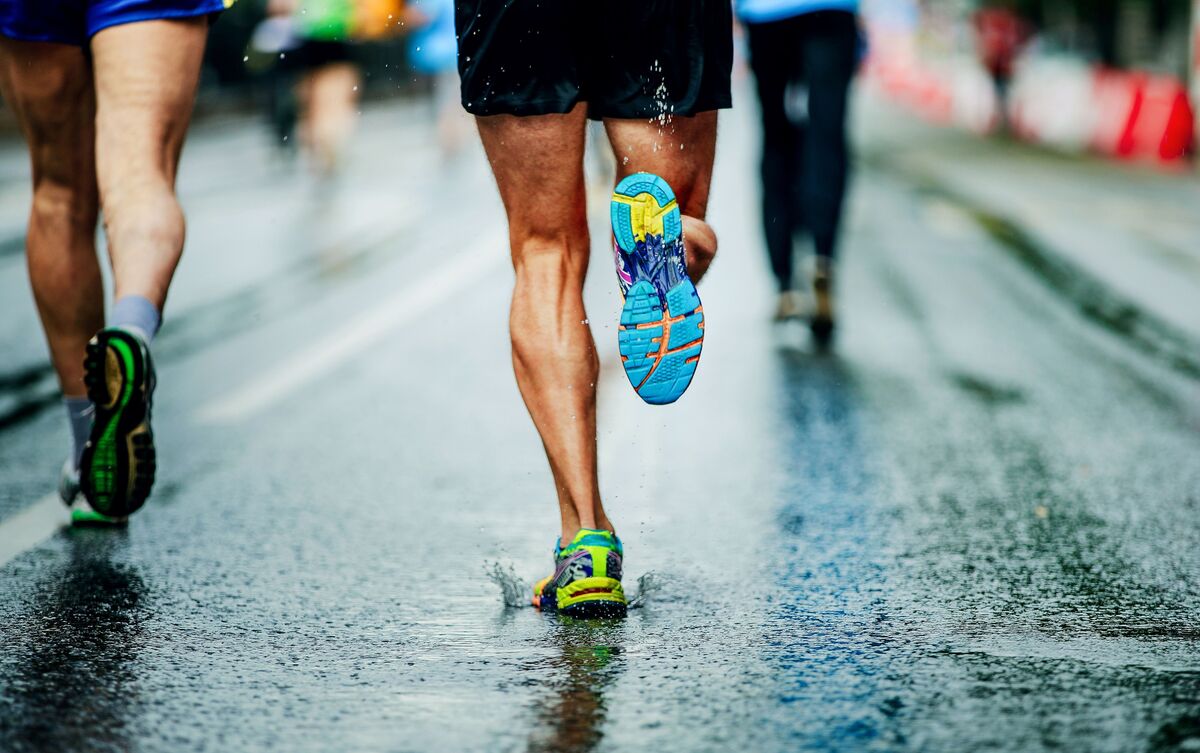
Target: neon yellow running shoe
586,583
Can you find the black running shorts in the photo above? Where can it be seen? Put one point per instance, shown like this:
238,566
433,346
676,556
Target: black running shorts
636,59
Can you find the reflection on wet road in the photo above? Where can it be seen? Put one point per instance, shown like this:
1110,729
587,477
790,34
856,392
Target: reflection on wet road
571,715
827,561
72,683
972,526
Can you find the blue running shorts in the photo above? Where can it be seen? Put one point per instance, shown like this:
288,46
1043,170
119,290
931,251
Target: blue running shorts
76,21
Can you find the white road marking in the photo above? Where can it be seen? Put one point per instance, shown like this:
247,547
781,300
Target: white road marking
331,352
27,529
31,526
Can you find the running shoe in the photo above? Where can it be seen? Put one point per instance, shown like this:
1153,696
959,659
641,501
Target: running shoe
662,322
791,306
117,469
586,583
822,323
82,513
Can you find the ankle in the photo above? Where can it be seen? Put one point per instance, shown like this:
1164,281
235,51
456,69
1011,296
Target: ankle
137,313
569,534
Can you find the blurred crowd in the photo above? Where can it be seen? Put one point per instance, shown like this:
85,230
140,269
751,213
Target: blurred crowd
309,62
1106,76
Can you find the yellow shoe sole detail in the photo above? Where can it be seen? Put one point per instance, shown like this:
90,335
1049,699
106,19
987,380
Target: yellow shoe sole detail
645,215
591,589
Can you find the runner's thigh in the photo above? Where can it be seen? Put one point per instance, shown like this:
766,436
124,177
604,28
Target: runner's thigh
146,76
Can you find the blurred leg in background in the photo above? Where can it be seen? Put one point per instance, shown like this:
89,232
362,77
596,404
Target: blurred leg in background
272,54
803,66
830,50
330,80
329,102
329,85
433,51
776,63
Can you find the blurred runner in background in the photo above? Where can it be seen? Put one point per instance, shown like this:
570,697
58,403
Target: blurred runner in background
655,72
433,51
803,54
1000,36
330,83
328,89
271,53
103,90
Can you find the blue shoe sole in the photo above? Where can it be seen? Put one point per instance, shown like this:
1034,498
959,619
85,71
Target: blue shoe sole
659,340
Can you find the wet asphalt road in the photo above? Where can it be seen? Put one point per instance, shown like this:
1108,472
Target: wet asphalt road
972,527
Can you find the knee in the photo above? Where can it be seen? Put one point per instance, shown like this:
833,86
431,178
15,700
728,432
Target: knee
552,255
64,206
701,238
143,213
56,109
137,154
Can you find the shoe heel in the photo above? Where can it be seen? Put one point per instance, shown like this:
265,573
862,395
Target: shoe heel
639,201
592,598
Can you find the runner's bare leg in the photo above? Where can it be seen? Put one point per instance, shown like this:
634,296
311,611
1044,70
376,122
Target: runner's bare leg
681,152
49,87
146,77
330,96
538,164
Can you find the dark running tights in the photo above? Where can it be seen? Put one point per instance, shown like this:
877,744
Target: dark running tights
804,160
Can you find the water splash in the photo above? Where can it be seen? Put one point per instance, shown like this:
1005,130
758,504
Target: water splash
513,589
647,586
662,102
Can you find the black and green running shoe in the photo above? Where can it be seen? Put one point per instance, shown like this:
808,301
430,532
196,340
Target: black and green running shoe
82,514
117,469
